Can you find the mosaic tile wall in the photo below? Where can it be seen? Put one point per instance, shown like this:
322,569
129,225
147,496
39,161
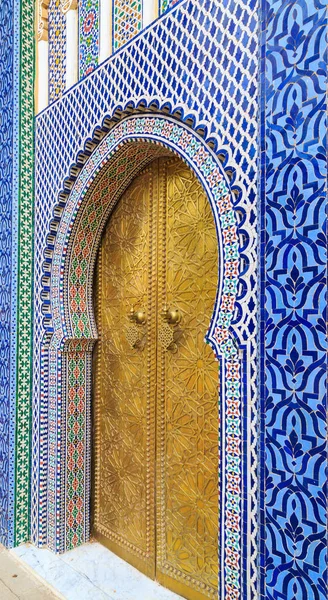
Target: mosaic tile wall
293,536
161,67
294,541
57,50
88,36
223,41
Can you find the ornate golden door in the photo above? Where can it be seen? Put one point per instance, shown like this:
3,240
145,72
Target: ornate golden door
156,389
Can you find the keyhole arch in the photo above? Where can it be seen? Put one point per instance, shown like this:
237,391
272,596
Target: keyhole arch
70,334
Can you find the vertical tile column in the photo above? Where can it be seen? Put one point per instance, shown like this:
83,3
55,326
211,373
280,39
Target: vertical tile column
293,300
89,33
8,173
42,56
127,18
105,29
57,50
25,139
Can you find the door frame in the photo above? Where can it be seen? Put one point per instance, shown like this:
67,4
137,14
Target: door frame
61,498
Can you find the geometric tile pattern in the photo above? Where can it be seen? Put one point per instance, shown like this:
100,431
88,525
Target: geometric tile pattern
127,21
160,68
75,451
25,269
57,50
88,36
294,542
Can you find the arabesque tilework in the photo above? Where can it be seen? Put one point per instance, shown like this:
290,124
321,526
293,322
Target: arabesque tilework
88,36
294,542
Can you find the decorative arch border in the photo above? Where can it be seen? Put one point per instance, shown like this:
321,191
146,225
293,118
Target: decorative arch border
70,334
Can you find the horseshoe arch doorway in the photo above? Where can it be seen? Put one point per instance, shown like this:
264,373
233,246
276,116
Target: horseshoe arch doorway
155,485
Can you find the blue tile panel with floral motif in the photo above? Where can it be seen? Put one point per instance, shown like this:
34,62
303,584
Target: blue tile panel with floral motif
293,300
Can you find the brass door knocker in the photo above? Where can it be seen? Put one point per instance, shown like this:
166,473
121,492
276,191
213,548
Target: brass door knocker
171,317
134,332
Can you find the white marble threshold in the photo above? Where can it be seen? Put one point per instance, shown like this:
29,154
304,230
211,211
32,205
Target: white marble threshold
91,572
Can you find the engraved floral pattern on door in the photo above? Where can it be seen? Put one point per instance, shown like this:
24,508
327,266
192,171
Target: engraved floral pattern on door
124,407
187,404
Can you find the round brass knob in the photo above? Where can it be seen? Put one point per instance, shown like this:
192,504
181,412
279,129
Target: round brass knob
137,316
171,315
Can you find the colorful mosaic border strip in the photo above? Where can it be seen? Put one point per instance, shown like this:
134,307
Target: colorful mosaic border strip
75,445
165,5
57,50
88,36
25,275
203,161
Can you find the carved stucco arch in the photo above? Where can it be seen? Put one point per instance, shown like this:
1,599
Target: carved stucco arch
71,330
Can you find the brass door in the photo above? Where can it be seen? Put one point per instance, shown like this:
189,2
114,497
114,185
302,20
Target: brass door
156,390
